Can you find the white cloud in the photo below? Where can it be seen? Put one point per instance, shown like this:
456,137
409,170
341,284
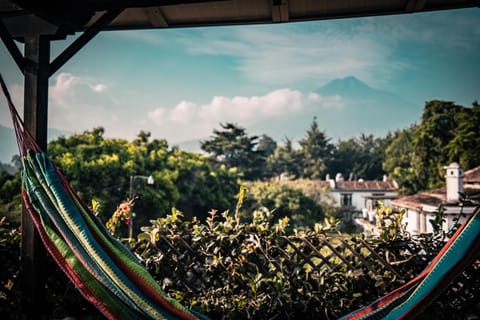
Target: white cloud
73,107
99,88
282,55
66,87
63,88
188,120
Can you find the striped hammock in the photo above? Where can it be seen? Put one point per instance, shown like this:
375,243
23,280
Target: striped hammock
109,276
102,268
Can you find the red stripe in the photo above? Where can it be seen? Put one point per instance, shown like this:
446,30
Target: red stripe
62,262
399,291
144,286
473,252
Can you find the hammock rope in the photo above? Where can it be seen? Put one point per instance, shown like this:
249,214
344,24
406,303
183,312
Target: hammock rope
110,277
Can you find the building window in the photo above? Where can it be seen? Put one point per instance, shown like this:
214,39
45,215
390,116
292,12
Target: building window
346,199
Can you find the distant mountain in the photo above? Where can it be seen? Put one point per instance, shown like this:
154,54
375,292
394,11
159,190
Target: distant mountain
354,89
358,108
8,142
366,109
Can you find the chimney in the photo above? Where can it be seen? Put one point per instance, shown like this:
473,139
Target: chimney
385,178
454,180
338,177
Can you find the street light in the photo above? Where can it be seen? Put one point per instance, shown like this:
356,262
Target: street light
132,215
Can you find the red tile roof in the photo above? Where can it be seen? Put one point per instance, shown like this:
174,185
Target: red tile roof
472,175
371,185
437,197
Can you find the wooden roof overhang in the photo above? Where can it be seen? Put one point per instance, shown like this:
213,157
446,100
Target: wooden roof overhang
60,18
37,23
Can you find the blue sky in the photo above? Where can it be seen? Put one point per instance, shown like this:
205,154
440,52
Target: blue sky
179,84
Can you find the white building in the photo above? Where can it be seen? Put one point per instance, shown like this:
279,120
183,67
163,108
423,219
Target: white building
352,195
357,195
422,207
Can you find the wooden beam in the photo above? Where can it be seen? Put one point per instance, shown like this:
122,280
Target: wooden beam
156,18
81,41
33,254
415,5
11,46
280,11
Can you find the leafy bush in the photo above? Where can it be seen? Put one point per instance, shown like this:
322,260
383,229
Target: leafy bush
257,269
283,201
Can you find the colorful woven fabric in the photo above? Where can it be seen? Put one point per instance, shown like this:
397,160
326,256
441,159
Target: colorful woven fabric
101,267
408,300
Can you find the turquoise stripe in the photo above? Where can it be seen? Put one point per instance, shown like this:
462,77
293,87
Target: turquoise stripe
66,203
43,205
454,254
44,169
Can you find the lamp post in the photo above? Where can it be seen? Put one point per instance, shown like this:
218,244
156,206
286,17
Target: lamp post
132,215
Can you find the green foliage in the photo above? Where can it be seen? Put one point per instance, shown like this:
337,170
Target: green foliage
401,161
447,133
234,148
286,160
256,269
360,157
121,216
316,151
389,223
465,144
438,220
431,138
10,196
62,300
100,168
283,201
259,269
9,273
232,269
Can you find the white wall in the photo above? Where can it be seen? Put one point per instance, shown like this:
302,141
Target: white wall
358,198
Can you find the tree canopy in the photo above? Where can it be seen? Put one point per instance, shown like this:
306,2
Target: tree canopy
100,168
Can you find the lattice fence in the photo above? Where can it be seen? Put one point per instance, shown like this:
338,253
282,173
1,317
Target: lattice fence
257,271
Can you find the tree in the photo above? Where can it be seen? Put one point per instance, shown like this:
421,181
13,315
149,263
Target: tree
266,149
316,150
100,169
431,138
372,154
465,146
234,148
401,160
283,201
286,160
448,133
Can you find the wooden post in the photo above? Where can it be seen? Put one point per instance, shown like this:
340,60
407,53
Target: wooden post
33,275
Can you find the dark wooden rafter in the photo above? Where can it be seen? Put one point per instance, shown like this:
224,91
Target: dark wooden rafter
415,5
81,41
280,11
156,17
11,46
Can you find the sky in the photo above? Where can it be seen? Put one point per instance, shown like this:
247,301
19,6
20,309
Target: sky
180,84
